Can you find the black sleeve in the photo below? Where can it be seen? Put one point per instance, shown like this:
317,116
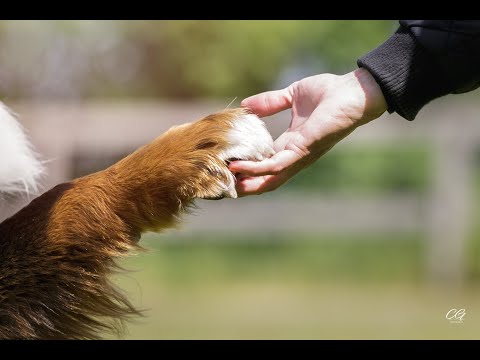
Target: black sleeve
424,60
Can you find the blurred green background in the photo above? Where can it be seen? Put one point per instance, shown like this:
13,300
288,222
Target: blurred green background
273,282
175,59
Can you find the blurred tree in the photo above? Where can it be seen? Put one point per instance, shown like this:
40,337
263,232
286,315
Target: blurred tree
174,58
213,58
238,58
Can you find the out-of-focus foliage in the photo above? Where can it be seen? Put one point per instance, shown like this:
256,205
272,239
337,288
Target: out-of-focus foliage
368,169
173,58
198,259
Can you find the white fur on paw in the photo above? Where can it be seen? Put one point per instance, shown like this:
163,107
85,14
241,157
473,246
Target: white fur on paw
250,140
20,167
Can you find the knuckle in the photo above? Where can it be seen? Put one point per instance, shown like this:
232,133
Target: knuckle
277,169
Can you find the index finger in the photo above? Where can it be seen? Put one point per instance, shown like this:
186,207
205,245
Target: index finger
271,166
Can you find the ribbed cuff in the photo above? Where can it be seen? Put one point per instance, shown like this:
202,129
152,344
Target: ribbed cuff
406,73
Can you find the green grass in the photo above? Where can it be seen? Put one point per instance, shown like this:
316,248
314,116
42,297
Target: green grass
314,287
308,311
257,258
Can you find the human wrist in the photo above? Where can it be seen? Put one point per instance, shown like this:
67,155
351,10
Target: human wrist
374,103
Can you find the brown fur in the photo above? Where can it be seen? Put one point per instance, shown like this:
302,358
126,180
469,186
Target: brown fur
57,252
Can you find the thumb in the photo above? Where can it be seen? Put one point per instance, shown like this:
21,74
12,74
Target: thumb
269,103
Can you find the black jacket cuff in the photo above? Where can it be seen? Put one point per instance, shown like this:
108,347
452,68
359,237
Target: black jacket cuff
406,73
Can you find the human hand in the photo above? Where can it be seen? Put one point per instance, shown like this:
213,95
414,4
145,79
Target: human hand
325,109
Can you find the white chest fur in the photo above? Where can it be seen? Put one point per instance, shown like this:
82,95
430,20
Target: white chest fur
20,167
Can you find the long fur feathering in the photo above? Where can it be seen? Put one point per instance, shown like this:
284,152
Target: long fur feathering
57,253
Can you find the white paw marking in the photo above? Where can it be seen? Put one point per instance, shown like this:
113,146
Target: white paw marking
250,140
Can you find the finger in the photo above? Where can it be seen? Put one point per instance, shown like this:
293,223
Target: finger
271,166
269,103
258,185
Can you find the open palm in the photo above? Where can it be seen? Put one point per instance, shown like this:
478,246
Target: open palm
325,109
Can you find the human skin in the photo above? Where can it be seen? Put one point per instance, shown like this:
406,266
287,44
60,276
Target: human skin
325,109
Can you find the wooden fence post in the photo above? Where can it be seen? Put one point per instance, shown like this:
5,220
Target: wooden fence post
448,210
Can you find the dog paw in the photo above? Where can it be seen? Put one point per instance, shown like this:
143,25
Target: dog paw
248,138
233,134
191,161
